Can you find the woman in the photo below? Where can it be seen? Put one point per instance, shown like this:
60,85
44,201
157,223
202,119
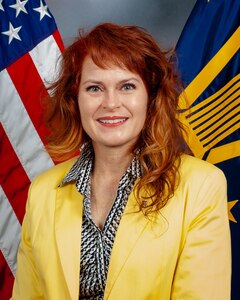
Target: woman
134,216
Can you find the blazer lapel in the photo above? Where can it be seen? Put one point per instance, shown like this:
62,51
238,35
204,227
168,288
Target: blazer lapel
68,221
131,227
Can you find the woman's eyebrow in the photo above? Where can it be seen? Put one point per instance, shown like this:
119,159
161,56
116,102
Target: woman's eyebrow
101,82
92,81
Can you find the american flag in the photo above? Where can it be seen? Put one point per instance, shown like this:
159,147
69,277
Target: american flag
30,45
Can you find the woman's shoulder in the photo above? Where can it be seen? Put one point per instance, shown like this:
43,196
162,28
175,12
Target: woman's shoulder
203,185
192,168
54,175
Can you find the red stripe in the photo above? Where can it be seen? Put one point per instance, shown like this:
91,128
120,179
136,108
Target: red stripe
6,279
58,40
30,88
13,177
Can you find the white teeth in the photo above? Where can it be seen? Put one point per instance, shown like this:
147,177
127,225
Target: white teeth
112,121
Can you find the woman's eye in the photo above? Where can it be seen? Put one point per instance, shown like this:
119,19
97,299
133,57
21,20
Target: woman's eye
93,88
129,86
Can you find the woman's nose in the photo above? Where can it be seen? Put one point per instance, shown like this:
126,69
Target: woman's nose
111,100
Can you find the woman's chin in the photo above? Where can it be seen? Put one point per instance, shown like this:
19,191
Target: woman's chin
114,143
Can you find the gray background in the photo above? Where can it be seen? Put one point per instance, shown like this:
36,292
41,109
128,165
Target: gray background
164,19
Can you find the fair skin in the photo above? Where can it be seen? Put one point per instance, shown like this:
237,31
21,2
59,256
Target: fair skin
113,105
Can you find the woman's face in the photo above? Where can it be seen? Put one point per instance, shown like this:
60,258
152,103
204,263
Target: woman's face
112,103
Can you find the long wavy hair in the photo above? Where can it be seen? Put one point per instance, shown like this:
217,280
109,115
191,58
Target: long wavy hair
161,140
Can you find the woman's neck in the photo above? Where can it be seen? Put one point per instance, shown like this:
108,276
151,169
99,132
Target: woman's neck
111,161
110,164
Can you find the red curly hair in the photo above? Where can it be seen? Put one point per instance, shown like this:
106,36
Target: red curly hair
161,140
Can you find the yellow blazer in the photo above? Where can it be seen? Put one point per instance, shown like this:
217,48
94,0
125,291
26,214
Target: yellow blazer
181,253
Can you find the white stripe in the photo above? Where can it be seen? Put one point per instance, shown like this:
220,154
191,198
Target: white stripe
10,232
46,59
20,130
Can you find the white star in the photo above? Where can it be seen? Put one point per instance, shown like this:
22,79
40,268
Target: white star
12,33
19,6
42,9
1,7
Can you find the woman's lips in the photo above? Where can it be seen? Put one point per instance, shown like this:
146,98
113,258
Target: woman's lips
112,121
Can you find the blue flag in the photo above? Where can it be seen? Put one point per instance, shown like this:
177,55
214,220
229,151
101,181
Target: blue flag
209,65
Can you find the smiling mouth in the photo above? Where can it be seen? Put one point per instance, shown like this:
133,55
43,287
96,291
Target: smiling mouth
114,121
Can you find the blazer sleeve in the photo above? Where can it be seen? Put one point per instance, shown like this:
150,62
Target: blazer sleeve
26,284
203,270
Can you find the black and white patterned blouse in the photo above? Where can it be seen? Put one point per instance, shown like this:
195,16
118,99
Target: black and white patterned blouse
96,244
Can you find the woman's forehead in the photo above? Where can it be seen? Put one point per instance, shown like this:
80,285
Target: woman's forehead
90,64
90,70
